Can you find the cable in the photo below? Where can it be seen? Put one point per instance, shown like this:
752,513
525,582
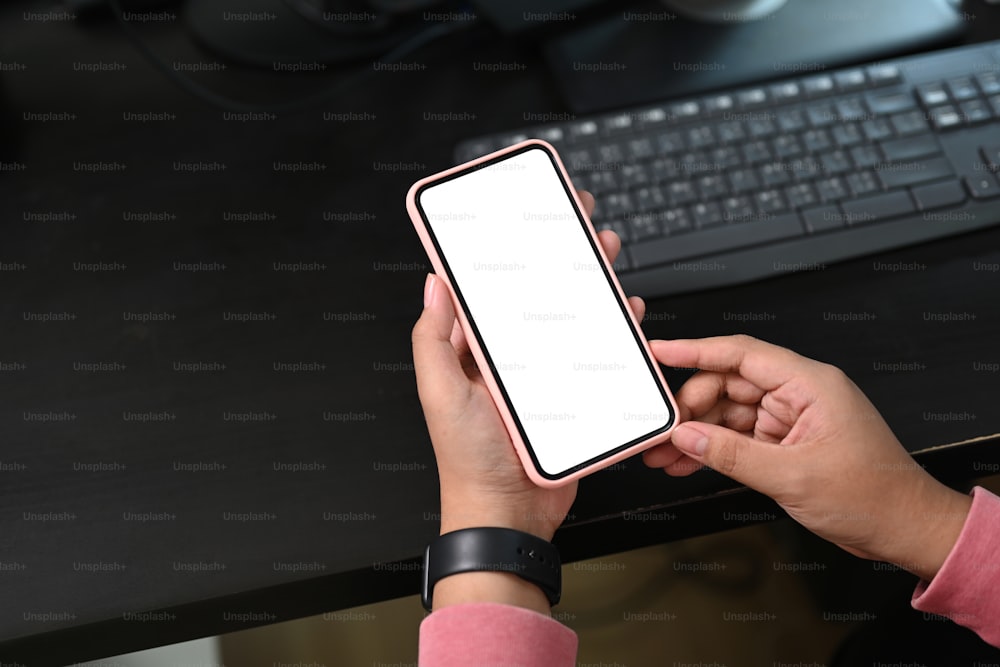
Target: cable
209,96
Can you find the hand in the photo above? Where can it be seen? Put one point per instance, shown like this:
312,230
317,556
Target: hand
802,433
482,480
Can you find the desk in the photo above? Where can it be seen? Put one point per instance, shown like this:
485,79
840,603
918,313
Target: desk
198,439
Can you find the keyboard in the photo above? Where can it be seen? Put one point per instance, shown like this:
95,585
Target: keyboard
792,175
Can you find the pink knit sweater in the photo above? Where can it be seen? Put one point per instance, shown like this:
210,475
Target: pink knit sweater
967,590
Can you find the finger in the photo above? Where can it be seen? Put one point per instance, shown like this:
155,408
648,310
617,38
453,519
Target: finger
661,456
587,200
611,243
704,389
765,365
638,307
769,428
440,377
732,415
683,467
733,454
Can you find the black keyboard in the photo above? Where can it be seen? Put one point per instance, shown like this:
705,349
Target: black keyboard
792,175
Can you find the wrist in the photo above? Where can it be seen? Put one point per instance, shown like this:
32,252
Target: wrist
456,515
498,587
931,530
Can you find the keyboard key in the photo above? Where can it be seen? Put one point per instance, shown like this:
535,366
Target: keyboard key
774,173
553,134
649,119
989,82
670,142
963,88
726,157
876,129
787,145
801,195
761,127
651,198
805,168
975,111
889,103
615,205
909,122
583,130
816,140
743,180
719,103
713,186
911,147
816,86
945,117
939,195
685,110
706,214
632,175
983,187
791,120
852,108
991,156
597,182
644,226
752,98
730,132
681,193
863,183
877,207
932,95
995,103
617,124
865,156
770,201
756,152
716,240
821,115
663,169
831,189
611,153
852,79
883,75
700,136
676,221
789,91
737,209
823,219
640,149
695,162
847,134
580,159
837,162
898,174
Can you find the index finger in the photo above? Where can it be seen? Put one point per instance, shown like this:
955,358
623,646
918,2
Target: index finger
767,366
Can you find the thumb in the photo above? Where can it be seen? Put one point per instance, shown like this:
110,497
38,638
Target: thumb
748,461
435,360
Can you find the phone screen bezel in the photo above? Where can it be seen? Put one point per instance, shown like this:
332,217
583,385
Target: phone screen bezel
608,279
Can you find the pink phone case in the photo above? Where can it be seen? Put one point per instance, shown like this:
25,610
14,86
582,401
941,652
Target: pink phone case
477,353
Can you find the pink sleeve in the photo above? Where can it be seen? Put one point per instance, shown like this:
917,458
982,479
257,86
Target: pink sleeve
967,588
487,633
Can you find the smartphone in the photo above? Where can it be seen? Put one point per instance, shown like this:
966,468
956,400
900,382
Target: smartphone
547,321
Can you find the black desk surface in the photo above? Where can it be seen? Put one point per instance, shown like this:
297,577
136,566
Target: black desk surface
161,480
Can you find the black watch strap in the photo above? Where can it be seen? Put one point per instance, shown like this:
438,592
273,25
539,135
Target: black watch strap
492,550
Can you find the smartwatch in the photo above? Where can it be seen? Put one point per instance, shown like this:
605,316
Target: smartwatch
492,550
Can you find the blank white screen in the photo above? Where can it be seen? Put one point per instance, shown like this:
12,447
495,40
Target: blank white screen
576,378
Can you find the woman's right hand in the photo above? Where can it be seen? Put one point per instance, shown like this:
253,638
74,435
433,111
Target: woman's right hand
801,432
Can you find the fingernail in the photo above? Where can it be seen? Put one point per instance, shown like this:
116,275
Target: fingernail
429,289
689,440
